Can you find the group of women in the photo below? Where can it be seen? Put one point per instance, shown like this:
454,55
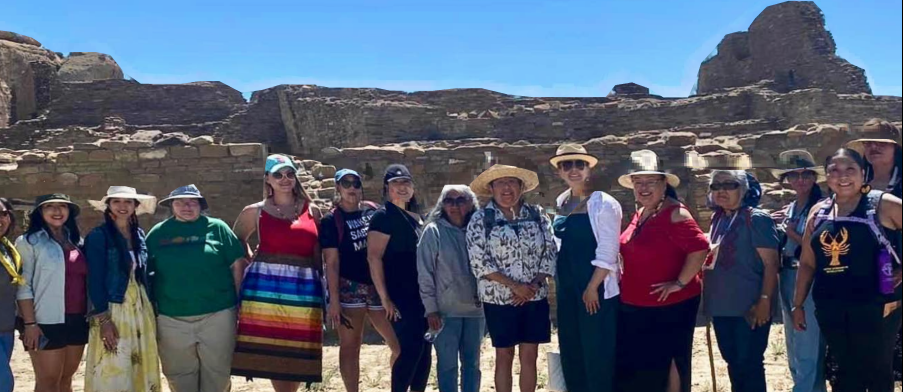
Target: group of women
627,300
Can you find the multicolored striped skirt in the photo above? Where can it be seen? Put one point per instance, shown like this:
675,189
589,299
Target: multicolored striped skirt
280,321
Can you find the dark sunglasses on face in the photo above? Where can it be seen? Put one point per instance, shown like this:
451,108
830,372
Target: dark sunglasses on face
725,186
281,175
793,176
459,201
568,165
348,184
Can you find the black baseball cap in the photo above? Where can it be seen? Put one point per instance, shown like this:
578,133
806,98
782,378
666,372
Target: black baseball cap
397,172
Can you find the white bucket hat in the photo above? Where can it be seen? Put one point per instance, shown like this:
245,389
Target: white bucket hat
147,203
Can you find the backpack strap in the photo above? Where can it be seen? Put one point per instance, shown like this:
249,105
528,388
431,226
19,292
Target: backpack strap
874,222
489,222
338,216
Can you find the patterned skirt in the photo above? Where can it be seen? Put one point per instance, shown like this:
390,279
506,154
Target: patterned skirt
280,321
135,365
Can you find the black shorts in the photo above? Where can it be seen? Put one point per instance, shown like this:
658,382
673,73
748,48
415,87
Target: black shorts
74,332
511,325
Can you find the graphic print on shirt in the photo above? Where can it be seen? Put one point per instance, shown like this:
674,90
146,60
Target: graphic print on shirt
835,246
357,229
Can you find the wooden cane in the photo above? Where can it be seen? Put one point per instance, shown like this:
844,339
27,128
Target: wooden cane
708,340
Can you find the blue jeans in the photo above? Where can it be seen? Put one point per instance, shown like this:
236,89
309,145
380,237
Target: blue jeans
743,349
806,349
6,353
461,337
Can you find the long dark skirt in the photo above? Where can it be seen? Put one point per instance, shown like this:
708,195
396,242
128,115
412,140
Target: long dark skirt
649,340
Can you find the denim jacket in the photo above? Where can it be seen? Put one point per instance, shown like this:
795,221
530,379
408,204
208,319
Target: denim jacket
109,266
44,274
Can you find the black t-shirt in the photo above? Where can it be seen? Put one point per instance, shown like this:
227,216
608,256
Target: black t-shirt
353,247
400,258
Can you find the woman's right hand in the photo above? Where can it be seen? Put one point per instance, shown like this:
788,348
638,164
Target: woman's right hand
109,335
32,336
799,319
334,313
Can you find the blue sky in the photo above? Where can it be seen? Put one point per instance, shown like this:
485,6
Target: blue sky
554,48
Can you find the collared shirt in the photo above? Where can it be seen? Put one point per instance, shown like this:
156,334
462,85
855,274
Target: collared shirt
605,218
520,250
44,272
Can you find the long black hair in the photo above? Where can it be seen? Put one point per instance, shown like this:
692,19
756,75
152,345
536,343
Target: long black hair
36,223
113,231
12,216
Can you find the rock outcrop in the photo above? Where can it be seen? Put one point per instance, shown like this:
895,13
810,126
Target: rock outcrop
788,44
18,38
89,66
29,72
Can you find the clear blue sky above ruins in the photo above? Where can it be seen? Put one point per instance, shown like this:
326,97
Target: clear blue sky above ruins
552,48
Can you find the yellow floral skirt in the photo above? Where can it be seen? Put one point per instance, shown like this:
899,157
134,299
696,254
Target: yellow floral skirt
134,366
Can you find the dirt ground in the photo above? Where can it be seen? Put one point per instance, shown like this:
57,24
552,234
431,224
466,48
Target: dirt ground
375,375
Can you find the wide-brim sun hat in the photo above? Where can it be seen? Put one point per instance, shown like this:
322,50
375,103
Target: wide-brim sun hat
573,152
876,131
185,192
40,201
481,185
147,204
646,162
798,161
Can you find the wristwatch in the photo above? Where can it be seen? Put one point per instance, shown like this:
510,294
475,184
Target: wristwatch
680,284
794,308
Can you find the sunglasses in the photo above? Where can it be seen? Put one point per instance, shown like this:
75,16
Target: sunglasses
568,165
281,175
725,186
459,201
348,184
793,176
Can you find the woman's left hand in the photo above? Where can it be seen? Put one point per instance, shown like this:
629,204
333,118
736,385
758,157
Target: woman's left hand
759,314
664,290
110,335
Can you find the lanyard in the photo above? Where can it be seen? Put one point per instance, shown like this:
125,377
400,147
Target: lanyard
717,239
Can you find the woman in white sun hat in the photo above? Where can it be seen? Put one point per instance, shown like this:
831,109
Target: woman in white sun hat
122,342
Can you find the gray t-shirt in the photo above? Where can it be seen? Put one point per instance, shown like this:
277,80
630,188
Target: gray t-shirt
7,298
735,284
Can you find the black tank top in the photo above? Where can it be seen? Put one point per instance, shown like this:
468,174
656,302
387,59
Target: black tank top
845,259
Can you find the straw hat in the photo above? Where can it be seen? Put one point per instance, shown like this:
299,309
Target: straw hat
877,131
573,152
480,185
646,162
797,161
147,204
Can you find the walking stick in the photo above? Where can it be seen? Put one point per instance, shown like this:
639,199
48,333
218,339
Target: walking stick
708,340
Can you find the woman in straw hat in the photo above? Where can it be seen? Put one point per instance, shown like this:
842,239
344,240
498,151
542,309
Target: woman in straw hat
587,226
53,296
743,276
663,250
197,263
10,279
392,255
805,349
512,253
880,146
848,255
122,344
280,335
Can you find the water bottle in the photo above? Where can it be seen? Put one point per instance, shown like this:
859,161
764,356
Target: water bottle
885,272
432,334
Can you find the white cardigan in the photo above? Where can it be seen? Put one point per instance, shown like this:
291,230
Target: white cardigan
605,218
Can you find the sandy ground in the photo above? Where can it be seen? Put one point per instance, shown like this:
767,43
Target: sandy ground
375,375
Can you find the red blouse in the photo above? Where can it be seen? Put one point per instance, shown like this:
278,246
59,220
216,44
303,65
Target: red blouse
281,237
657,255
76,282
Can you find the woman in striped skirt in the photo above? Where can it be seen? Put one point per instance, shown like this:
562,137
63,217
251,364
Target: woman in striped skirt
280,335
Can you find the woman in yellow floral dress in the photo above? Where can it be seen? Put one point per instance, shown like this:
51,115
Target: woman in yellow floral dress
122,345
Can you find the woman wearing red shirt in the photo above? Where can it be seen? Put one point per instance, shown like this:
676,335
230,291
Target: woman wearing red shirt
663,250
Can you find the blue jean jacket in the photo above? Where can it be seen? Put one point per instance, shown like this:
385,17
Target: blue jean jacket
109,266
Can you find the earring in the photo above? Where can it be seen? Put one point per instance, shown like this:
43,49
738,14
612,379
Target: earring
865,189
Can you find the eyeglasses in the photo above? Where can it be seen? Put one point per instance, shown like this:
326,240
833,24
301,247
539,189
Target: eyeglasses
568,165
725,186
280,175
348,184
794,176
459,201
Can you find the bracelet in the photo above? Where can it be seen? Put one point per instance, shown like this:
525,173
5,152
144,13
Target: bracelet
680,284
28,324
764,296
794,308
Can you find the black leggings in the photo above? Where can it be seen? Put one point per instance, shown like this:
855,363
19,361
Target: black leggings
412,368
862,342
